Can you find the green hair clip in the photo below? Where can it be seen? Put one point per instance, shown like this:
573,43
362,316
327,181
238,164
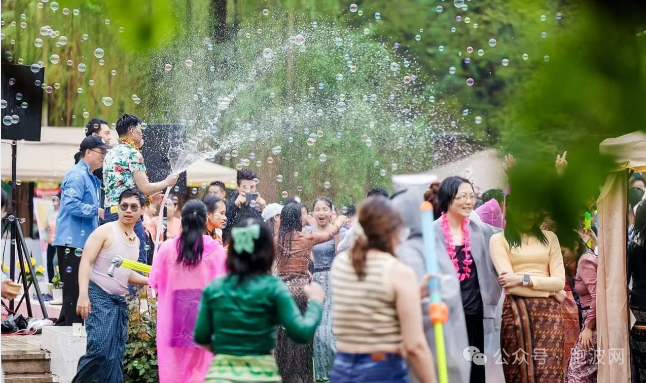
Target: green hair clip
244,238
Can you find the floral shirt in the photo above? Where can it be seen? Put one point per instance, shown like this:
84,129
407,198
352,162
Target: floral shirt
118,168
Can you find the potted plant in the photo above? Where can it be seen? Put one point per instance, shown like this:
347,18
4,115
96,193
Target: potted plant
57,291
40,272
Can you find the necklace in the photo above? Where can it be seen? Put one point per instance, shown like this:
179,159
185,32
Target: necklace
131,237
465,272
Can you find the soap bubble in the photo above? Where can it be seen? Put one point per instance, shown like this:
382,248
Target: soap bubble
54,6
85,36
394,66
38,42
543,34
62,40
189,63
327,184
6,120
107,101
270,160
338,41
81,67
353,8
439,9
418,37
265,11
339,77
546,58
525,56
478,120
68,269
68,241
505,62
322,158
543,17
299,39
86,209
98,53
492,42
35,68
3,104
452,70
341,107
54,59
78,252
470,81
279,178
267,53
377,16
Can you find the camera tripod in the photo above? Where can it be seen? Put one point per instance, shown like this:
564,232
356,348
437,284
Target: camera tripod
18,250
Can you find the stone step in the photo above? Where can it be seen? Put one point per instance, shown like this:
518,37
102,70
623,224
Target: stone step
25,362
30,378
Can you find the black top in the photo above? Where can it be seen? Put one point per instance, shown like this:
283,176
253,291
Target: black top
470,287
636,255
237,214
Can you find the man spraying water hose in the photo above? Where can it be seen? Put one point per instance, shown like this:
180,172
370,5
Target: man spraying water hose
124,168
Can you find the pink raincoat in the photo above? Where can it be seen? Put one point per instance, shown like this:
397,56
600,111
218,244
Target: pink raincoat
179,290
491,214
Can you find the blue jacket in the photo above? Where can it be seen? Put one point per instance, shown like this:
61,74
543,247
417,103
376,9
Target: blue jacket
79,212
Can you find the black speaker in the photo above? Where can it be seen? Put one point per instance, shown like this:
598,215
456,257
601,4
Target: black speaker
22,102
158,139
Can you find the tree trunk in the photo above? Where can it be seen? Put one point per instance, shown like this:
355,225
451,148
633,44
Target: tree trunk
219,12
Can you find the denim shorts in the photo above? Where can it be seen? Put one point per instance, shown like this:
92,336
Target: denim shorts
369,368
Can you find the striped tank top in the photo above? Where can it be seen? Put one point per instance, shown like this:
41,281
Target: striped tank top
364,313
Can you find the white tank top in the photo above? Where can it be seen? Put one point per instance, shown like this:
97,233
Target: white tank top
117,285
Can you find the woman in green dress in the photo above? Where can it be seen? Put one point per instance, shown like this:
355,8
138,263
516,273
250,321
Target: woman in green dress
240,311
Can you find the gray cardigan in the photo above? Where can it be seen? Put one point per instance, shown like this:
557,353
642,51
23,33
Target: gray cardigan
411,252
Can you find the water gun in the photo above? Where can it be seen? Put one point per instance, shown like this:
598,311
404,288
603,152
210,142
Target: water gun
588,226
118,261
438,310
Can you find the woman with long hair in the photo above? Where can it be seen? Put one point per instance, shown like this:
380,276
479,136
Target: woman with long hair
324,344
181,269
172,225
377,311
582,366
637,271
294,253
216,216
240,311
465,240
530,268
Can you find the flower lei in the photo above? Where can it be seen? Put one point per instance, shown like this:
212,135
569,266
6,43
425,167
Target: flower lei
465,273
129,141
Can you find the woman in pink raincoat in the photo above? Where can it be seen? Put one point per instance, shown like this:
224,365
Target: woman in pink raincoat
184,266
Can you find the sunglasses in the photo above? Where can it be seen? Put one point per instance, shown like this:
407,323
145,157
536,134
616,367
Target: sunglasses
133,207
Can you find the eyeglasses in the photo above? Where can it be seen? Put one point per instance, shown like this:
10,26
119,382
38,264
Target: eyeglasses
133,207
463,197
102,152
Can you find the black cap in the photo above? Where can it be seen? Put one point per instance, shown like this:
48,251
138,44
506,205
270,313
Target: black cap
92,142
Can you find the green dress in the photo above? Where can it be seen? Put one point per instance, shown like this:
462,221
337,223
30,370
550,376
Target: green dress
239,321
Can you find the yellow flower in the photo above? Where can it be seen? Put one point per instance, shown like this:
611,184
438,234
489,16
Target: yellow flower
40,269
5,269
33,261
56,269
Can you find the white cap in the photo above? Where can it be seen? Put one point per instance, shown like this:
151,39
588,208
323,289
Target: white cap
271,210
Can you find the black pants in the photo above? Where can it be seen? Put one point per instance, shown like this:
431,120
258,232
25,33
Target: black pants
68,266
51,253
475,333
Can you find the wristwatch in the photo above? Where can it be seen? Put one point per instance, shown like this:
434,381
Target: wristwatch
526,280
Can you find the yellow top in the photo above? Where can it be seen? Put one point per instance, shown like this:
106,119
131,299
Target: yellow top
544,263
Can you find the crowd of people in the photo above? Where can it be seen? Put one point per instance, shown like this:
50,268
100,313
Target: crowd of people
251,291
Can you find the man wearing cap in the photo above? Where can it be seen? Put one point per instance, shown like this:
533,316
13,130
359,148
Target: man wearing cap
77,218
124,169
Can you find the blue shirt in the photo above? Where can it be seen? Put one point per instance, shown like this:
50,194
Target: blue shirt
79,212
